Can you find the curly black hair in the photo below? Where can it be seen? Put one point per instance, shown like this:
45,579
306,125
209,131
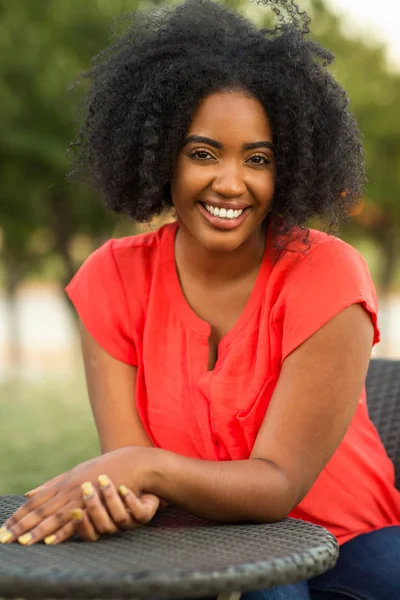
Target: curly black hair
147,85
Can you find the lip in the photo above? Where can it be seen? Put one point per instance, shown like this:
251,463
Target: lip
221,223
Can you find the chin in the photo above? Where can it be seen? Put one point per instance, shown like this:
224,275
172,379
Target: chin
221,241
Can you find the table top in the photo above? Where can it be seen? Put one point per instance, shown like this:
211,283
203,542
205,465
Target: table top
175,555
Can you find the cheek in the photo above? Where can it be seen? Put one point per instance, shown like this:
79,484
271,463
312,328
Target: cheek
188,179
263,186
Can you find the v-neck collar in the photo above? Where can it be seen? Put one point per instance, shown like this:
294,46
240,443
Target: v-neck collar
179,303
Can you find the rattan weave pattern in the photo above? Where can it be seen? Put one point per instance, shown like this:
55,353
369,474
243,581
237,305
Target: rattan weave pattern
177,555
383,400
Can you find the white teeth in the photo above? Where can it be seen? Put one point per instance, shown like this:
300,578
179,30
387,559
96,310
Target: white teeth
223,213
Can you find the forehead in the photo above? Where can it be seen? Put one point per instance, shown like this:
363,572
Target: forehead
233,114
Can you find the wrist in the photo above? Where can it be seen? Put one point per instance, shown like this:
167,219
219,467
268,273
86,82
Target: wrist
154,463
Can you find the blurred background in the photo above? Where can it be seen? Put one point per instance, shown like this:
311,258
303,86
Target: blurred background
48,227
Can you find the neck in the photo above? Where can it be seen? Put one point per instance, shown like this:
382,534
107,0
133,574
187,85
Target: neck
215,268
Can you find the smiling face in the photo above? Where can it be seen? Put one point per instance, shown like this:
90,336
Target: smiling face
224,178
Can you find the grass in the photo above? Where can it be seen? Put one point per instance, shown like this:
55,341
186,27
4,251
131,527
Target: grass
45,429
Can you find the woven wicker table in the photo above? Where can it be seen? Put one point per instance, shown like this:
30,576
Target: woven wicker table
176,555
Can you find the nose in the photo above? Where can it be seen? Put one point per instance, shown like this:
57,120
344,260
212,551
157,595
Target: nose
229,181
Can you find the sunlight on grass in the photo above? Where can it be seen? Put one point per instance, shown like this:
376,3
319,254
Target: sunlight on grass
45,429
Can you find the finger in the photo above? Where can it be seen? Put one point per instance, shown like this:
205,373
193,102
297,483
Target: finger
27,507
116,508
61,535
151,502
30,514
96,512
83,526
48,526
142,511
47,484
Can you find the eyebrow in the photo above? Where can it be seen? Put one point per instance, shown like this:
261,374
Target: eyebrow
219,146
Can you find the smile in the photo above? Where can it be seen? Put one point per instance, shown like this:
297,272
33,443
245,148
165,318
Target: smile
222,218
223,213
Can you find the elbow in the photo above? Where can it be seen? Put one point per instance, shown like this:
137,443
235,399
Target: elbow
279,494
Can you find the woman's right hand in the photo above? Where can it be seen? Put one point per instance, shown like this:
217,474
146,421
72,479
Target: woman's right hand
112,511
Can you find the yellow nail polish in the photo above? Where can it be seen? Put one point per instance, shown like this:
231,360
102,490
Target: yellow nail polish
3,529
25,539
50,539
87,489
103,481
5,537
123,490
77,514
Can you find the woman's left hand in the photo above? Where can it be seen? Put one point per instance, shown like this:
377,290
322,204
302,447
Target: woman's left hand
110,511
49,510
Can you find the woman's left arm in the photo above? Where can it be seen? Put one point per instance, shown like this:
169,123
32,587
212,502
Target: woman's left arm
311,408
310,411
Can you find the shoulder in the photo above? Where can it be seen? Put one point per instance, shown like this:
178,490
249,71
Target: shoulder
315,239
320,252
139,245
129,261
328,271
135,254
311,287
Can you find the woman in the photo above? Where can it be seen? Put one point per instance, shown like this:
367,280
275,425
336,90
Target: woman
226,353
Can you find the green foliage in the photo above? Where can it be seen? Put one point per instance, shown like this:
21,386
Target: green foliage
45,45
374,93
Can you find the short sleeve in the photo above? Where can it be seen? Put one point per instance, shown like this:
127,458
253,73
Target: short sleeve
328,279
99,297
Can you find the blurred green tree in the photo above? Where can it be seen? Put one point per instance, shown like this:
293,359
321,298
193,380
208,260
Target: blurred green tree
374,92
45,45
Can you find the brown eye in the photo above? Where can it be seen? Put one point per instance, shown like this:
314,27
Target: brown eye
260,159
200,154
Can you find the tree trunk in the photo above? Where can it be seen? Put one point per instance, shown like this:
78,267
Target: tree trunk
63,227
390,242
13,277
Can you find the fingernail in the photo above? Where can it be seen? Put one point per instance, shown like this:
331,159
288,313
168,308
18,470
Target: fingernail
50,539
77,514
5,536
87,489
123,490
25,539
30,493
3,529
103,481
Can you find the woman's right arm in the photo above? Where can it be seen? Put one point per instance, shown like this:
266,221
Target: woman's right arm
111,387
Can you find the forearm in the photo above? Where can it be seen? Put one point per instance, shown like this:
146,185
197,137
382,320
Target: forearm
226,491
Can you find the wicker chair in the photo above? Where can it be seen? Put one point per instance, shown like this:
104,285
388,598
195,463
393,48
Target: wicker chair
383,399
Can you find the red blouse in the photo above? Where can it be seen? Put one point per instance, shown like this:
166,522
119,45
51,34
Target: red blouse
128,295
